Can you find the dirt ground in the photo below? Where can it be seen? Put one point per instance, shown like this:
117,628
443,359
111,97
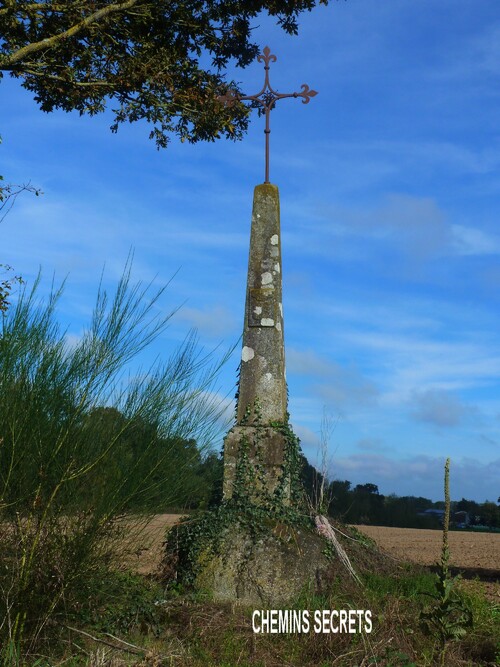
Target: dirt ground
143,550
467,550
476,556
470,551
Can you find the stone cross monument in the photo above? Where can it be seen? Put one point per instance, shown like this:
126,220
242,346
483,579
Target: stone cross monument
255,449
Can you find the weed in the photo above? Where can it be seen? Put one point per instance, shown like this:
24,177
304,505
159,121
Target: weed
121,603
449,618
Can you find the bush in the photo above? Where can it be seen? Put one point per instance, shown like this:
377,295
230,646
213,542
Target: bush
81,443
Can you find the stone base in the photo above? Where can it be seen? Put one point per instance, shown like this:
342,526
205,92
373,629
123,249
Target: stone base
268,570
254,457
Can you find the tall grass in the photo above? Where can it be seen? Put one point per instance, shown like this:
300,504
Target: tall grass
82,442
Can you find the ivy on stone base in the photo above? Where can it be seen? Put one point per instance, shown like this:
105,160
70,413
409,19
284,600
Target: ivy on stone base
192,543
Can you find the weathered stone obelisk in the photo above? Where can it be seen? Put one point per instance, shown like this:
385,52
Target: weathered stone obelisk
262,395
235,553
255,449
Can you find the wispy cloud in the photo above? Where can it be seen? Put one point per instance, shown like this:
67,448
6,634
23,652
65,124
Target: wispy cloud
335,384
417,226
440,408
419,363
471,241
214,322
421,475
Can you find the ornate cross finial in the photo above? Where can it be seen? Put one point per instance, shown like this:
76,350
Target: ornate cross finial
267,97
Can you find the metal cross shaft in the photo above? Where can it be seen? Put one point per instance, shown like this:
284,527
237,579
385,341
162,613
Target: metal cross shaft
267,98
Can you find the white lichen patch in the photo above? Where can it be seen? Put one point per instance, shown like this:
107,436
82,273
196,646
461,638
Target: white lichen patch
277,267
267,322
247,353
267,381
278,326
267,278
281,309
257,310
274,239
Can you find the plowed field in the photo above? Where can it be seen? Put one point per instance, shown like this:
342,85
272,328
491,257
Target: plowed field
470,551
467,550
474,555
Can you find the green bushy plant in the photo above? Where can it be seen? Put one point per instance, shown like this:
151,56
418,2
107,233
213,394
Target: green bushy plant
81,443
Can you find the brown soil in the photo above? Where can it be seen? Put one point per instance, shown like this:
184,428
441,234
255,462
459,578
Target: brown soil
467,550
473,555
142,548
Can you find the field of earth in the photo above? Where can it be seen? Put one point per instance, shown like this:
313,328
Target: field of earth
474,555
468,550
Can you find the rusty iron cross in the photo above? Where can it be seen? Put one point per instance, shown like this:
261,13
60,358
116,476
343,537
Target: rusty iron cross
267,98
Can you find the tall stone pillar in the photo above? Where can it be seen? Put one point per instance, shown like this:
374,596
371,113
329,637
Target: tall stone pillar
255,448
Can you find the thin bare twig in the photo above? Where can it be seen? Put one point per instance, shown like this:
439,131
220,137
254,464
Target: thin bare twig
130,648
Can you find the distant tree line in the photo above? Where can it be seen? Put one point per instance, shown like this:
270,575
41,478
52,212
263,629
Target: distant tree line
202,482
363,504
360,504
174,467
166,456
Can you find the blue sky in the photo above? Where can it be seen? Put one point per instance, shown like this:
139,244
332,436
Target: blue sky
390,190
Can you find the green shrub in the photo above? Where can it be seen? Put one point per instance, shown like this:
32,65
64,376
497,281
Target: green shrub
81,443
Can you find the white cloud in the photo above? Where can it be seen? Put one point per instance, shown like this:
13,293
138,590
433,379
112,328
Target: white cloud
417,363
216,321
307,362
421,475
222,404
334,383
470,241
72,341
309,440
440,408
417,226
416,222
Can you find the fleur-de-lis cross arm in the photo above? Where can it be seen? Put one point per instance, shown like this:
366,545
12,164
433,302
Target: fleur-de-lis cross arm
266,98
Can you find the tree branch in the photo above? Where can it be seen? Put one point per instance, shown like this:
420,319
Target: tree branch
100,83
6,62
33,8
